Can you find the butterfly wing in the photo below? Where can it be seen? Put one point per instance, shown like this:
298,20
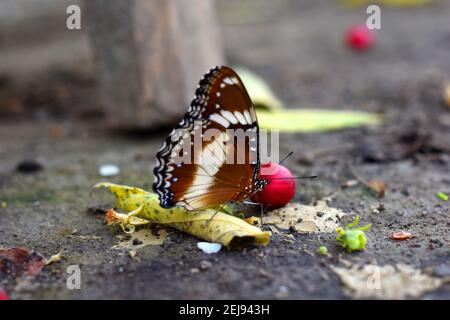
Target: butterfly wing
198,166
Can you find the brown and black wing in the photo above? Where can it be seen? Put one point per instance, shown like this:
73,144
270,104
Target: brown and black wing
212,156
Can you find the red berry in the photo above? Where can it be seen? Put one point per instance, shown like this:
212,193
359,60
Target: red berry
281,188
3,295
359,37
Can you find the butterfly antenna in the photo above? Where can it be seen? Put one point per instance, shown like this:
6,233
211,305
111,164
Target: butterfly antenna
295,178
286,156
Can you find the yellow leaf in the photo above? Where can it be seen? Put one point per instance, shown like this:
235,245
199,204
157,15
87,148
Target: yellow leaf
54,258
259,91
210,224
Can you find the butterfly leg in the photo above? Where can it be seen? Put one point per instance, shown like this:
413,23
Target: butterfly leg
220,208
261,207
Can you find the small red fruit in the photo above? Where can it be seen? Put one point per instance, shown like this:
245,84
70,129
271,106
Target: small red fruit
3,295
281,188
359,37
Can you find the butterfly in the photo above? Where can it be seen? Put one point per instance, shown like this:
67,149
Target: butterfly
196,169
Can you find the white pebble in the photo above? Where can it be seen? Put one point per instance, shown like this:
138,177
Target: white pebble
208,247
108,170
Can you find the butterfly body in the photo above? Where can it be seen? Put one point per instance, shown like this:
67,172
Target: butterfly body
212,156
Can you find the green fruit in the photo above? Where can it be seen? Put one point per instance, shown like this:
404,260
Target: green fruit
323,250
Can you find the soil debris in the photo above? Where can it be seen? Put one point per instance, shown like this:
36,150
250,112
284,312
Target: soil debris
401,235
140,239
29,166
302,218
385,282
19,261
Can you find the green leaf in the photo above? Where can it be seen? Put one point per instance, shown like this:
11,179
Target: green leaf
388,3
305,120
352,238
442,196
272,116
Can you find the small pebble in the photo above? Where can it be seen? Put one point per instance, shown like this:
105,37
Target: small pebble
29,166
283,292
108,170
204,265
208,247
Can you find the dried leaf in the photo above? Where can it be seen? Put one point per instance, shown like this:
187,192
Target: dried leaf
142,238
303,218
446,95
143,208
88,237
401,235
54,258
385,282
379,187
20,261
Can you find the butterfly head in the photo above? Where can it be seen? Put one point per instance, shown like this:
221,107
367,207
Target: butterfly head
260,184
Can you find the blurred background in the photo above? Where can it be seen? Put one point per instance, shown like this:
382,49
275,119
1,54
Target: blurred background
298,47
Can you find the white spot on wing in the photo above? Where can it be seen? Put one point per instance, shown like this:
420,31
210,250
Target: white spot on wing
228,81
240,117
220,120
248,117
229,116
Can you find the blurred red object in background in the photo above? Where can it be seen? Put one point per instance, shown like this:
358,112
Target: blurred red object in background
359,37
